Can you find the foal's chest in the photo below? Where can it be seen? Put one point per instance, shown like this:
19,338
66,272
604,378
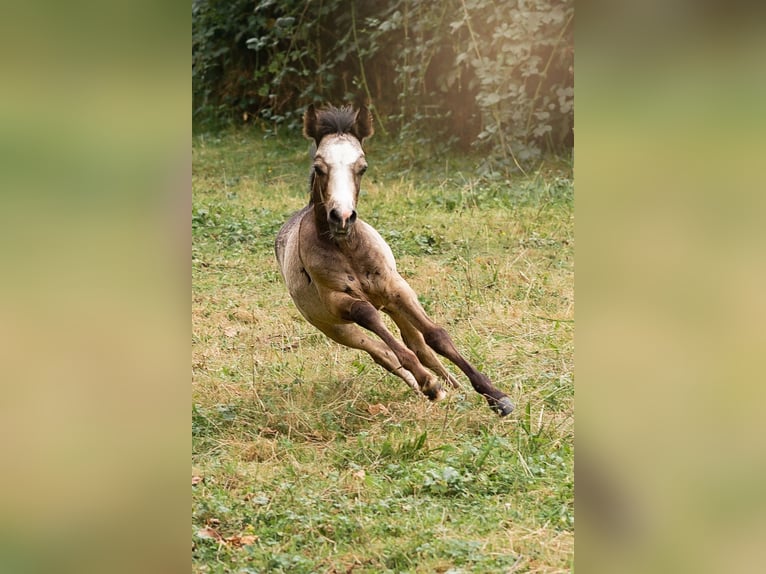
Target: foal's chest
366,276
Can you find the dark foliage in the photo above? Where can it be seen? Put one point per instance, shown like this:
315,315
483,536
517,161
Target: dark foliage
498,75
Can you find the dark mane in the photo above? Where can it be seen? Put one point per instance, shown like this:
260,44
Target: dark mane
318,123
332,120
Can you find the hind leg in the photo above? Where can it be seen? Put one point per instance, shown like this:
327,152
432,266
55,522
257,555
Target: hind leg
417,344
352,336
364,314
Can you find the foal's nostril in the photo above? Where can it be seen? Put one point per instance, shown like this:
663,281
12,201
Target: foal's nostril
341,220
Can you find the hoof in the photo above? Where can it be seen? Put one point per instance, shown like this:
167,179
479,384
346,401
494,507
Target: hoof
502,406
435,392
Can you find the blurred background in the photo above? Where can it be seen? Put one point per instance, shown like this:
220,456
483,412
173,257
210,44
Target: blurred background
94,243
670,266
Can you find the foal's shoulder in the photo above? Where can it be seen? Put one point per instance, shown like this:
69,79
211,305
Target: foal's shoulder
294,220
373,240
287,230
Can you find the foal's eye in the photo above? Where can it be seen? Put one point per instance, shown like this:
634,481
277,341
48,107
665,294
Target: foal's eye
319,170
362,170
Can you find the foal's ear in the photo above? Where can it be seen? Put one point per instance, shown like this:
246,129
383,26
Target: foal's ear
310,123
363,124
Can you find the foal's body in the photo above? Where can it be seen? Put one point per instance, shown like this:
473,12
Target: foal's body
340,272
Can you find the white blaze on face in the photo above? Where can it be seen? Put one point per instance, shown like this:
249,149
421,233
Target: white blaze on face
340,154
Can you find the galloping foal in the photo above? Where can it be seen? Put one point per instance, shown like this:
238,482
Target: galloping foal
340,272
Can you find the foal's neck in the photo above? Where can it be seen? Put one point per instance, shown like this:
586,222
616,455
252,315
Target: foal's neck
318,211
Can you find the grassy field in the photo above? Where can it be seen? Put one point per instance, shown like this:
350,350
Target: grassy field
308,457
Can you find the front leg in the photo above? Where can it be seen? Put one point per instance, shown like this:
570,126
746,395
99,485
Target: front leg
404,302
365,315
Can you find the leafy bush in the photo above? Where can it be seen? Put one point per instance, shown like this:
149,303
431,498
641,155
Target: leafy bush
498,75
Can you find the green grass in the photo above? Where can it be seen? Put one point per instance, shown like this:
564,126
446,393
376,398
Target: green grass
318,459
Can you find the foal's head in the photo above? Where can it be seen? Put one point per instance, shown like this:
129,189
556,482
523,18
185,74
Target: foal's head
338,162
